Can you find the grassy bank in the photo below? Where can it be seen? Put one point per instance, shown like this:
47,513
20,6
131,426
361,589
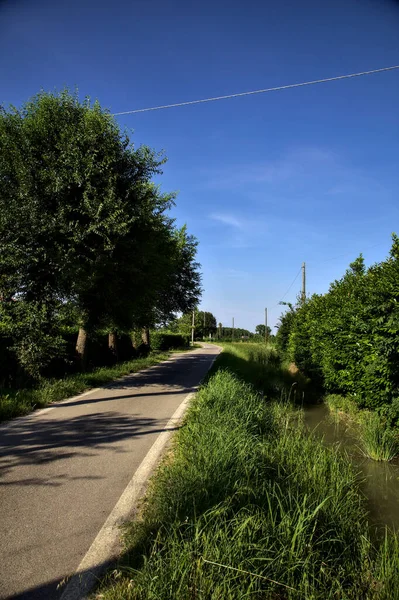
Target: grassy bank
378,438
14,403
261,366
248,505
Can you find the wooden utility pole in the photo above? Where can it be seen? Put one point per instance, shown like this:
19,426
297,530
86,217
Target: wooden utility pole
232,335
266,333
303,282
192,329
204,326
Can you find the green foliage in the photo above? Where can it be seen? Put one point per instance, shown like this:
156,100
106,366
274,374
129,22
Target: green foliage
261,330
344,404
180,287
379,440
228,334
285,324
164,340
348,339
247,488
204,324
83,230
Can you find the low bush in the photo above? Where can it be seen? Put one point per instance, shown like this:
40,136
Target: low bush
161,340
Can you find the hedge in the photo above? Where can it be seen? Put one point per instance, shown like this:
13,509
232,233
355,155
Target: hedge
166,341
348,338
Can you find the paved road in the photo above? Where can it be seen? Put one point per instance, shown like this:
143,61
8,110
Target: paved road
64,469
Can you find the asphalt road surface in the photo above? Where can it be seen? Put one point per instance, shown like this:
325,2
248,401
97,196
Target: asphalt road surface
63,470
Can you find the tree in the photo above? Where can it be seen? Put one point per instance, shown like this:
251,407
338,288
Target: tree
180,289
260,330
284,327
204,324
236,334
92,229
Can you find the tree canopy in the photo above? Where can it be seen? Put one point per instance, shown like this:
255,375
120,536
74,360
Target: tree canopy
261,330
204,324
83,225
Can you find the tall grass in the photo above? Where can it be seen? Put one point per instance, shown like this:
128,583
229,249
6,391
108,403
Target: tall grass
248,505
14,403
379,441
341,404
261,366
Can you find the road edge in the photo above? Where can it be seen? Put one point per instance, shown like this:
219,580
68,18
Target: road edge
106,546
9,423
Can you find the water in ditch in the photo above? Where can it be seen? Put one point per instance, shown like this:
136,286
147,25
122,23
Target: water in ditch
379,480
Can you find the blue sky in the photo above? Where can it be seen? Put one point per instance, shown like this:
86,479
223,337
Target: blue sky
265,182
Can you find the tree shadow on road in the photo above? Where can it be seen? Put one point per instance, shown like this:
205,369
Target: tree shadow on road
33,443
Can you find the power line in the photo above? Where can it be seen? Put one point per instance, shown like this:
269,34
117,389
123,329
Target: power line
294,280
320,263
263,91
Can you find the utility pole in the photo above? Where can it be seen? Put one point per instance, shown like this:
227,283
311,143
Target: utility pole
232,335
204,326
303,283
266,334
192,329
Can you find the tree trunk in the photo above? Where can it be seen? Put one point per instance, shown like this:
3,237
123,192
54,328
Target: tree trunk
82,347
145,336
113,345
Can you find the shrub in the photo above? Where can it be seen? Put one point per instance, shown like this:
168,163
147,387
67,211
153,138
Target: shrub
164,340
349,337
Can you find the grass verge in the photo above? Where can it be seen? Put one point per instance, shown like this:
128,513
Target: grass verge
261,366
14,403
248,505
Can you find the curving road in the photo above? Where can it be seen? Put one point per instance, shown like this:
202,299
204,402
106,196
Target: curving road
64,468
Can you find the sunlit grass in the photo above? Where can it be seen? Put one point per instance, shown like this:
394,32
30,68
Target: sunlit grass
249,505
379,441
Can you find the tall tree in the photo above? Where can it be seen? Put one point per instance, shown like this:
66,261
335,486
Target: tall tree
90,225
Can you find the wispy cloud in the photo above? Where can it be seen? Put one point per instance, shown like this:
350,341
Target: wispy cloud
227,219
241,232
294,164
305,170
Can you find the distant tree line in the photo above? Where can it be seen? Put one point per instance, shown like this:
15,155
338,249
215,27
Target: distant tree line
86,237
205,325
